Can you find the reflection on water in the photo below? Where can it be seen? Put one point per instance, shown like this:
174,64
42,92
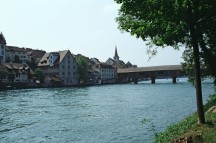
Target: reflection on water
110,113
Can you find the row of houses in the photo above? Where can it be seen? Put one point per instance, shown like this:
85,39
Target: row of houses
58,68
18,55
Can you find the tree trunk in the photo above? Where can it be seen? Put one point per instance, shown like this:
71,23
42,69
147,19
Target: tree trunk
198,85
200,110
196,53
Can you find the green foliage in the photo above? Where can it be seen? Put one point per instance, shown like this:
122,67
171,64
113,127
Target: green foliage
211,102
32,64
188,66
8,60
174,23
189,126
82,63
207,64
39,74
160,21
3,74
175,131
17,59
167,22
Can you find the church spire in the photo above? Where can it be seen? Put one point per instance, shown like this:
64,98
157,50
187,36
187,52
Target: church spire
116,57
2,39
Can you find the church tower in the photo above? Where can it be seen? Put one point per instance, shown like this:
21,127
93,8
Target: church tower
116,57
2,47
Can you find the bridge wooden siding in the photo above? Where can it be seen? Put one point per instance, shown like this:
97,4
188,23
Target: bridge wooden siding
134,74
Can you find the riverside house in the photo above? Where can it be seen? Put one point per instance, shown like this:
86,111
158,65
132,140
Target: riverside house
17,74
23,55
59,68
107,72
2,47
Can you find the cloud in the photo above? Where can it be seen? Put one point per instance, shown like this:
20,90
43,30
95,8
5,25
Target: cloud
109,8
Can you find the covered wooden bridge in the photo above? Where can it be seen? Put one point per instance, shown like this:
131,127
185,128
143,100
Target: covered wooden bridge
135,74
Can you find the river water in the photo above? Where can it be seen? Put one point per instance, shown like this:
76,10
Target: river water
124,113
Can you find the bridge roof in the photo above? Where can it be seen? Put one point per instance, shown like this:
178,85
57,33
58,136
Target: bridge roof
153,68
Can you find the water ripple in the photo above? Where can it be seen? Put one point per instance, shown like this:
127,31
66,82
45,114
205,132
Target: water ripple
112,113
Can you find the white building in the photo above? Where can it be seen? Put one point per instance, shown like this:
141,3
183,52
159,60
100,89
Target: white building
59,68
107,72
2,47
22,55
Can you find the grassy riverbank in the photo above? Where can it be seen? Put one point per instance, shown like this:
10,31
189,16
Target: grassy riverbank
189,127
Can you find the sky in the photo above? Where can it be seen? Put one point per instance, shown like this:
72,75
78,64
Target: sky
86,27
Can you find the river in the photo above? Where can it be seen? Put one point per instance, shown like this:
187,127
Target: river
123,113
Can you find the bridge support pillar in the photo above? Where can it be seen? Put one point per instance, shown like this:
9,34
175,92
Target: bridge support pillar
135,80
174,80
153,80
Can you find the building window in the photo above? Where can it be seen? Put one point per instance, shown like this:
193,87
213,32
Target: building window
68,67
62,66
63,73
68,73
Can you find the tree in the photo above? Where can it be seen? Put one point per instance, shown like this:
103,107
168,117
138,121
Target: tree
207,69
3,74
17,59
39,74
8,60
82,63
32,64
173,23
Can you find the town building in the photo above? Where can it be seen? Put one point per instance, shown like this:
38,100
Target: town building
22,55
16,73
107,73
93,74
116,62
59,68
2,47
